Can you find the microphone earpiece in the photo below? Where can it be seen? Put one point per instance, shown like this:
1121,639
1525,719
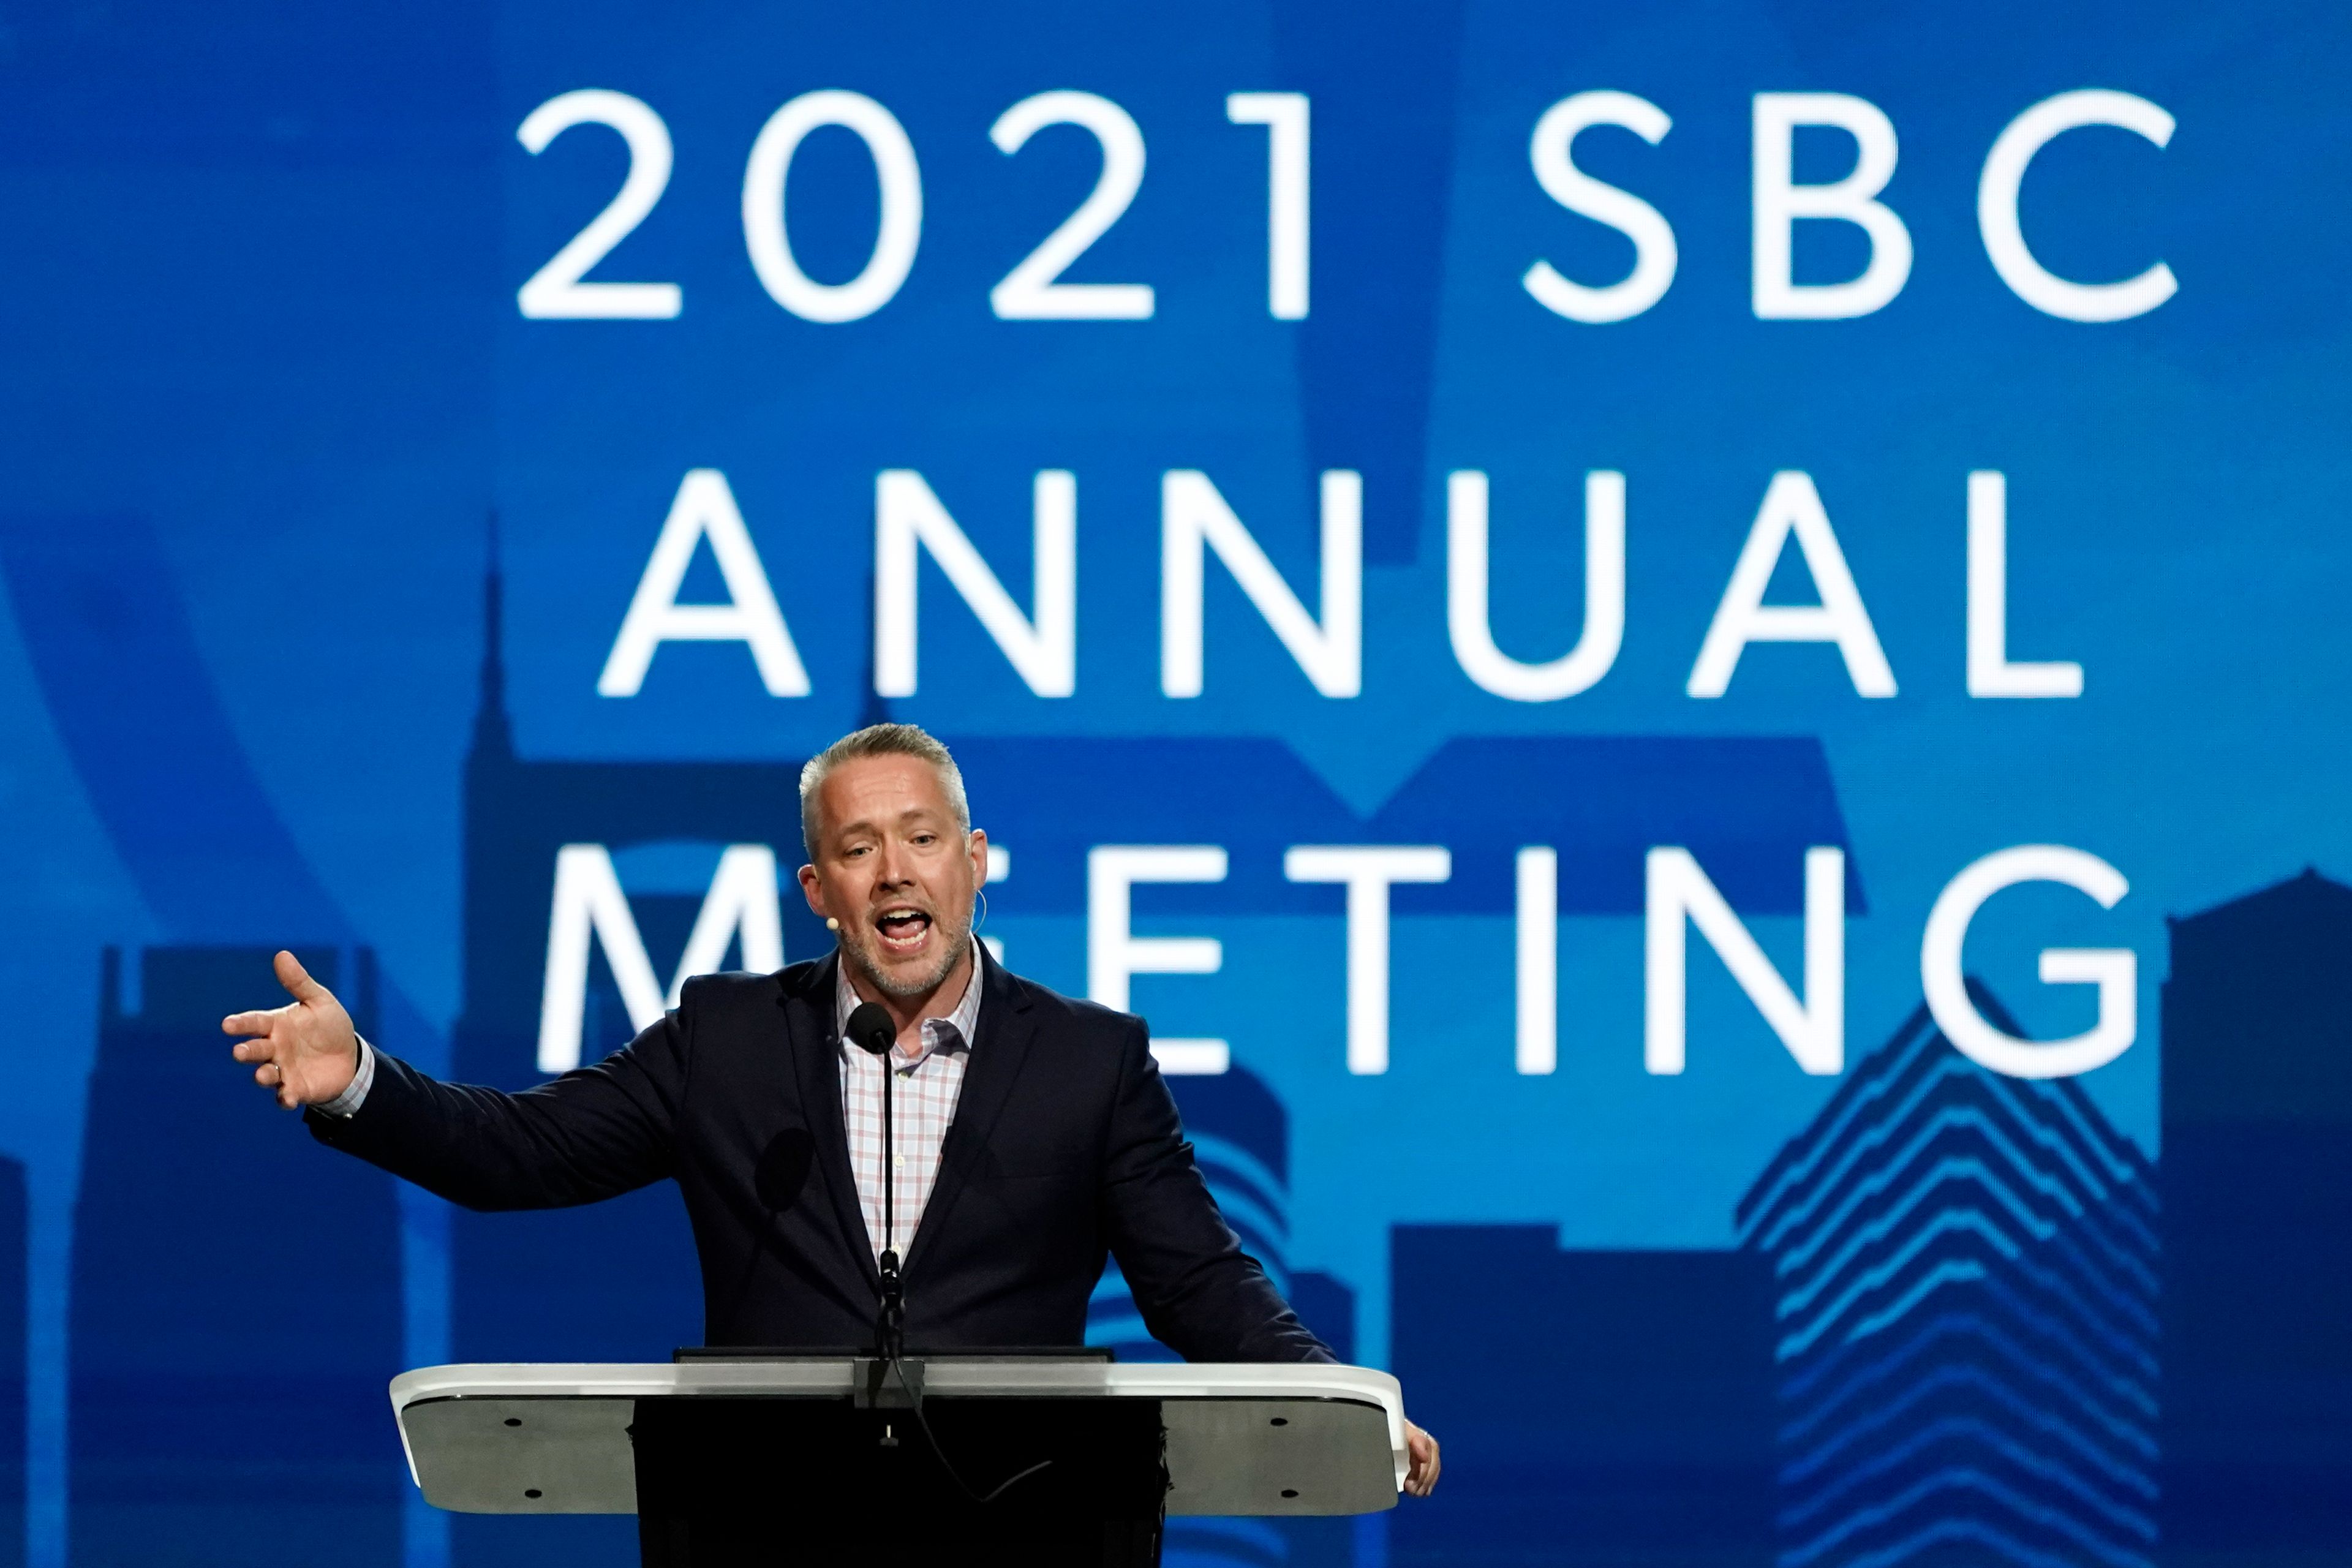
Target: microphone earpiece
832,924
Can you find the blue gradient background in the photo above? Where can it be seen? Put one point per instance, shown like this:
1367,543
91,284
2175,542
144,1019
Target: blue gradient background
262,378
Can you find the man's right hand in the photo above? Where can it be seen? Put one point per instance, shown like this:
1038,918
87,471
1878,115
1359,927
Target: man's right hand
307,1050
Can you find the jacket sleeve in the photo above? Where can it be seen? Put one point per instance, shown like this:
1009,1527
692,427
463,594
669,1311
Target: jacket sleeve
595,1132
1199,1292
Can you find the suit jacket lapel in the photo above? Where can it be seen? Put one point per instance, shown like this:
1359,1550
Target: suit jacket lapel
817,1059
1006,1031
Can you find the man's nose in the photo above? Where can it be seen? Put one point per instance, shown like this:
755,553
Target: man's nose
895,869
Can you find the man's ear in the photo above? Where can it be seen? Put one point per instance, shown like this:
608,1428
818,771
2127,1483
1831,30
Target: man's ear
809,890
978,845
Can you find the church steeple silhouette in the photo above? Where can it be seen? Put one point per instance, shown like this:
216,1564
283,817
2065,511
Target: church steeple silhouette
873,708
493,730
609,1282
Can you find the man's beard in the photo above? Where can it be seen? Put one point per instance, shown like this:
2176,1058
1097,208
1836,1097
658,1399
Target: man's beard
953,944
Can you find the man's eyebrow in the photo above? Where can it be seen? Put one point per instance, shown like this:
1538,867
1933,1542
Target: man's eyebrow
912,814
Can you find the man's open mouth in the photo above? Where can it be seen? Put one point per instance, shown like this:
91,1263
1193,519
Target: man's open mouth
902,929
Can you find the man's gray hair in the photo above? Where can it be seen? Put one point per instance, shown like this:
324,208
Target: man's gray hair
880,740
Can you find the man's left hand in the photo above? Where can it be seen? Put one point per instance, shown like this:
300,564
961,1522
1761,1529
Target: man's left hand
1421,1455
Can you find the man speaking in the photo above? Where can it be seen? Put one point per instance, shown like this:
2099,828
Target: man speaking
1033,1135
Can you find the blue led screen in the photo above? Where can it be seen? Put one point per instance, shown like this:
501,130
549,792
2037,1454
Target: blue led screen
1692,657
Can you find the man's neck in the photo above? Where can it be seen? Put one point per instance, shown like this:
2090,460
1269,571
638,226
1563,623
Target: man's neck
907,1013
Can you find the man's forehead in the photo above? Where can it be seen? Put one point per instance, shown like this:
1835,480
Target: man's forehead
877,787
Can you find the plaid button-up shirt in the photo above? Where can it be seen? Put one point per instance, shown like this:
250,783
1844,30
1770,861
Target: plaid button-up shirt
930,1080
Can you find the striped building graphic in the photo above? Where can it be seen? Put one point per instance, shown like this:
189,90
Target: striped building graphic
1964,1268
1241,1136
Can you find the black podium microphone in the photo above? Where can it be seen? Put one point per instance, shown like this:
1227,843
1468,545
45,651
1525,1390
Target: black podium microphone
871,1030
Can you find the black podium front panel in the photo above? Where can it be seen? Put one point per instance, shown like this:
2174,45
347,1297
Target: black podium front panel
729,1483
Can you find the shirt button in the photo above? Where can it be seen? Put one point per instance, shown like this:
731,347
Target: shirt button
899,1161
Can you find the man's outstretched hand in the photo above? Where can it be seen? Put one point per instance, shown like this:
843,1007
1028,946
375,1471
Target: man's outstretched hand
1421,1452
307,1050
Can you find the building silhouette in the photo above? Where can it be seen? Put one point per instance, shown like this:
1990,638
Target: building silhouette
237,1299
15,1236
1240,1135
2257,1172
1597,1407
616,1280
1964,1271
1382,80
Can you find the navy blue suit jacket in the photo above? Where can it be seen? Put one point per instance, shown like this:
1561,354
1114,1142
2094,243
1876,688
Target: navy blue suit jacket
1066,1149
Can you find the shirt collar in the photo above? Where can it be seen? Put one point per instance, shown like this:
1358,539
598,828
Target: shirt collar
954,1032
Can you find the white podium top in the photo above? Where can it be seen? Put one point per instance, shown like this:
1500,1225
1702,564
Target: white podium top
1242,1439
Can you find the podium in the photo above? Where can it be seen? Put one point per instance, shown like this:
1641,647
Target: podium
824,1458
